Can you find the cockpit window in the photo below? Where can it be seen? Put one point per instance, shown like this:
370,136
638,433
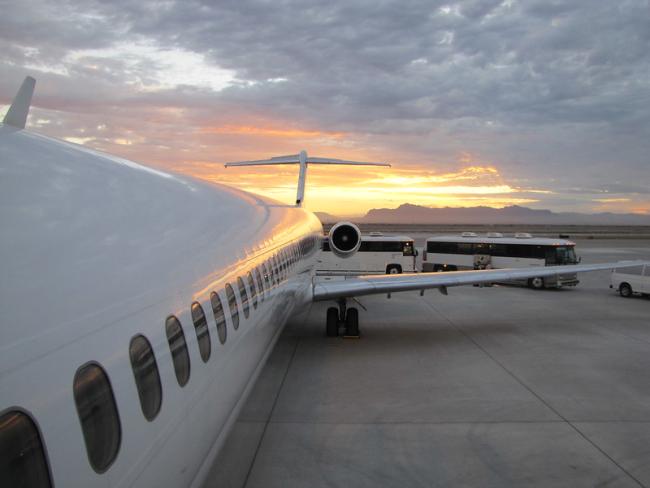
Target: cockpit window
97,411
202,332
251,285
178,348
244,297
147,379
232,305
219,316
22,457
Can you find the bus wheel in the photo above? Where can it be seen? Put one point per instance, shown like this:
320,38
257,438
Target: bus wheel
393,269
332,326
537,283
352,323
625,290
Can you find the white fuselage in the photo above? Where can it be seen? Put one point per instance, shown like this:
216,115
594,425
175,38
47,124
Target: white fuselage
96,250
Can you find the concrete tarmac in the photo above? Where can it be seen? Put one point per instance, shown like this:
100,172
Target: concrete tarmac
489,387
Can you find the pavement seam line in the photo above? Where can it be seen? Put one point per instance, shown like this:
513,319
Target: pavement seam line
268,419
532,392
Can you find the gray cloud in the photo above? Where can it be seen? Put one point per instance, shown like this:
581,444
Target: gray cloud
551,91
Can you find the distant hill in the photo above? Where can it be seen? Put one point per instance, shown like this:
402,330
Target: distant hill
416,214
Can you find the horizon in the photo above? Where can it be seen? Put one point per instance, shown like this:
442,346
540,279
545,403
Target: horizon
359,216
492,103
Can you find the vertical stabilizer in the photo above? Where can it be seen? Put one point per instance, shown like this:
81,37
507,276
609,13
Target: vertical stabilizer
17,114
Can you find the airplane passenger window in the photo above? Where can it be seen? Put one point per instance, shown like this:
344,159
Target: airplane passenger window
251,285
232,304
22,457
260,284
97,411
244,297
147,379
267,278
178,348
219,316
276,269
202,332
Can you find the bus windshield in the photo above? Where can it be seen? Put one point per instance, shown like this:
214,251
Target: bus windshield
565,255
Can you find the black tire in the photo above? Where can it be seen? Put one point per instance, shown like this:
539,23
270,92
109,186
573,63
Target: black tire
625,290
352,322
536,283
332,324
393,269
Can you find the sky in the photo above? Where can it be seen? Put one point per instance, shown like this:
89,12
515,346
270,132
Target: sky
540,103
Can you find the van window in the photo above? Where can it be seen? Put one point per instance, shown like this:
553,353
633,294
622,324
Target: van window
244,297
202,332
22,457
232,305
147,378
97,411
260,284
219,316
251,285
178,348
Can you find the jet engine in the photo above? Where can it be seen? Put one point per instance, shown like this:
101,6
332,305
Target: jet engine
344,239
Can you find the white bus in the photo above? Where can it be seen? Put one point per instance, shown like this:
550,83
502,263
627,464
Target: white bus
471,251
377,254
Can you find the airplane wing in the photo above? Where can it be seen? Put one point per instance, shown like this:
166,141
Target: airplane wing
374,284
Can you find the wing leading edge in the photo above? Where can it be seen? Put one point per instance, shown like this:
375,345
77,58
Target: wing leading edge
372,285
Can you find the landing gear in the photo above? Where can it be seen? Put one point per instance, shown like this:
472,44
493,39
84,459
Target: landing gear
352,323
332,325
343,317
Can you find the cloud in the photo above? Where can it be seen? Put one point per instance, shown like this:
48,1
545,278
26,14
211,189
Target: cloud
554,94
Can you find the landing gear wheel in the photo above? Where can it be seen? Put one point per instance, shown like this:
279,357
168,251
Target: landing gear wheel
537,283
332,325
352,323
625,290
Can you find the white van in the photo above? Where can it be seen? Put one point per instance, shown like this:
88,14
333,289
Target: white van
629,281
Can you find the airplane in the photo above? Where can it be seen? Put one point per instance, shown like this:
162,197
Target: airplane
139,308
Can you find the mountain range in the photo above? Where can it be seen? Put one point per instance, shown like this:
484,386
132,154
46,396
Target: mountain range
416,214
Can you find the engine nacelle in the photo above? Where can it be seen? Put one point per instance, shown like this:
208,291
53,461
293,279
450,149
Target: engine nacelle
344,239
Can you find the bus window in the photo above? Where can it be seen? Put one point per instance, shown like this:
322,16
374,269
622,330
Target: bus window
202,332
22,456
407,248
465,248
97,411
178,348
219,316
563,255
232,305
147,379
251,285
244,297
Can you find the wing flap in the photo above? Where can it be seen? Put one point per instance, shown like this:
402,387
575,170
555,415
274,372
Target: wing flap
373,285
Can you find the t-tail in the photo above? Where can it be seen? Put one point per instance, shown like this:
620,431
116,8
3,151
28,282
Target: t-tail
303,160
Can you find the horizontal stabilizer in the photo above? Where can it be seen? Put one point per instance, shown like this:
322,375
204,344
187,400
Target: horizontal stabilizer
303,160
17,114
